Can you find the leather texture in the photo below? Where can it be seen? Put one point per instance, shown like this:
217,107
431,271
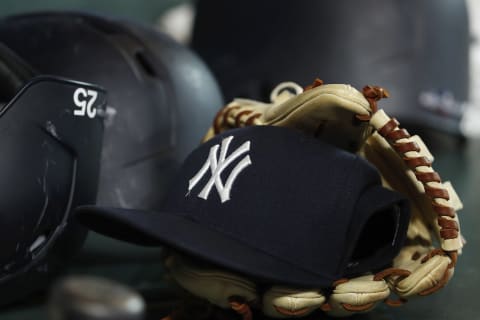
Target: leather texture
350,119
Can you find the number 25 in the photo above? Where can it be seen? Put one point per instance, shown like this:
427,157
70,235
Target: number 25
84,100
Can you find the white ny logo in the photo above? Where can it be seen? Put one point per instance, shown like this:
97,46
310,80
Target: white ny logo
216,168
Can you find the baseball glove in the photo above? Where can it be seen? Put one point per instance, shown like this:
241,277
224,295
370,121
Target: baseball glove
349,119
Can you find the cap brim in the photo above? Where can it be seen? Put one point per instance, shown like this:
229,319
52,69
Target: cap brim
160,228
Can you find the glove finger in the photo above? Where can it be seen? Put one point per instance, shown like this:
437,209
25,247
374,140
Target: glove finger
357,295
213,285
327,111
282,302
427,275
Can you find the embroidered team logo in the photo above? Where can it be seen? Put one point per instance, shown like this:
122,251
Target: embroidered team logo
217,165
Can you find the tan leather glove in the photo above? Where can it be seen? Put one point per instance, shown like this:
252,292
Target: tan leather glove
350,119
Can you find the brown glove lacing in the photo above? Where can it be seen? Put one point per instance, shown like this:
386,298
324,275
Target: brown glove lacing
241,306
243,118
221,118
448,228
393,134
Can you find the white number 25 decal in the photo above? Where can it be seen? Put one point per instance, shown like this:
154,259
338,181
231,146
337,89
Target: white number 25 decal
84,100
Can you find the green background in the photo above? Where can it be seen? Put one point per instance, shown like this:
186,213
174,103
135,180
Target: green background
141,268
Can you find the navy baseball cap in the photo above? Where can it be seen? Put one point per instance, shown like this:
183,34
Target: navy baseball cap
273,204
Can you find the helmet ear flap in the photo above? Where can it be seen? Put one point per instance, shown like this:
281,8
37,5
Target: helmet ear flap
52,156
14,73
